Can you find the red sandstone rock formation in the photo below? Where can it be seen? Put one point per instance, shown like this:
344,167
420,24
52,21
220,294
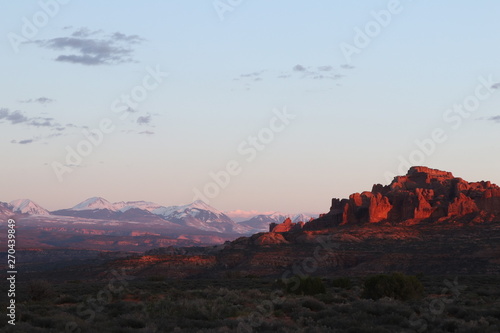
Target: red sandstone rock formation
286,226
270,238
423,194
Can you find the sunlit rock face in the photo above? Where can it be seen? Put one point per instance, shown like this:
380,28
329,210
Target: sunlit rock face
422,195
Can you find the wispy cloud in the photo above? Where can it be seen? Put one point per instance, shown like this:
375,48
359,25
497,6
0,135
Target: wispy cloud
496,119
87,47
325,68
347,66
40,100
49,128
325,72
144,120
17,117
23,142
298,72
299,68
253,74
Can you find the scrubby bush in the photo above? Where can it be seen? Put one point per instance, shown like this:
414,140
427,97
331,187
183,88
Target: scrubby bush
156,278
395,285
132,322
313,304
65,299
305,285
40,290
344,283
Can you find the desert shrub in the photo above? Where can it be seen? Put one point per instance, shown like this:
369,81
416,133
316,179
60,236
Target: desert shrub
313,304
340,323
327,298
233,275
156,278
64,299
132,323
195,311
40,290
344,283
43,322
449,326
396,285
367,330
251,276
115,309
75,281
392,319
305,285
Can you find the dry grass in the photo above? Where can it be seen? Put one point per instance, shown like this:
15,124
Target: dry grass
156,305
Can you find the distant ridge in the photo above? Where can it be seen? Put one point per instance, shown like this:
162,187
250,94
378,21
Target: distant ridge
197,215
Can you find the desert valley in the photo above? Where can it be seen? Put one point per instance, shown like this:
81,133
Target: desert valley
427,223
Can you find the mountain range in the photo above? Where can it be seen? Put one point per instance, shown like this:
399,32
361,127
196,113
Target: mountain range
96,223
197,215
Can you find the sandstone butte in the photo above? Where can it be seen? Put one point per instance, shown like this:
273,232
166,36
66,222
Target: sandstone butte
423,195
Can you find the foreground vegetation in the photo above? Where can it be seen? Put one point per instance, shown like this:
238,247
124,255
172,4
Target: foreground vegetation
383,303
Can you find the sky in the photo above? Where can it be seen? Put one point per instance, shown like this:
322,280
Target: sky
248,105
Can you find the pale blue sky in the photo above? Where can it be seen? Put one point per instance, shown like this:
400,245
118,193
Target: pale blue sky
225,79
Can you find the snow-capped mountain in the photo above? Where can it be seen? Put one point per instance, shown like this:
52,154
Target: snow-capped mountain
201,216
302,218
178,211
260,223
95,203
26,206
197,215
123,206
5,211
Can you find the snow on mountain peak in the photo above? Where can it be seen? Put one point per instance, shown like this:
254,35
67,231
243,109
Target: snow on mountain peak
200,204
26,206
195,206
302,218
95,203
123,206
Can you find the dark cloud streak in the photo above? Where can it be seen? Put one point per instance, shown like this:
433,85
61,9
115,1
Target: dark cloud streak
144,120
16,117
93,48
496,119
